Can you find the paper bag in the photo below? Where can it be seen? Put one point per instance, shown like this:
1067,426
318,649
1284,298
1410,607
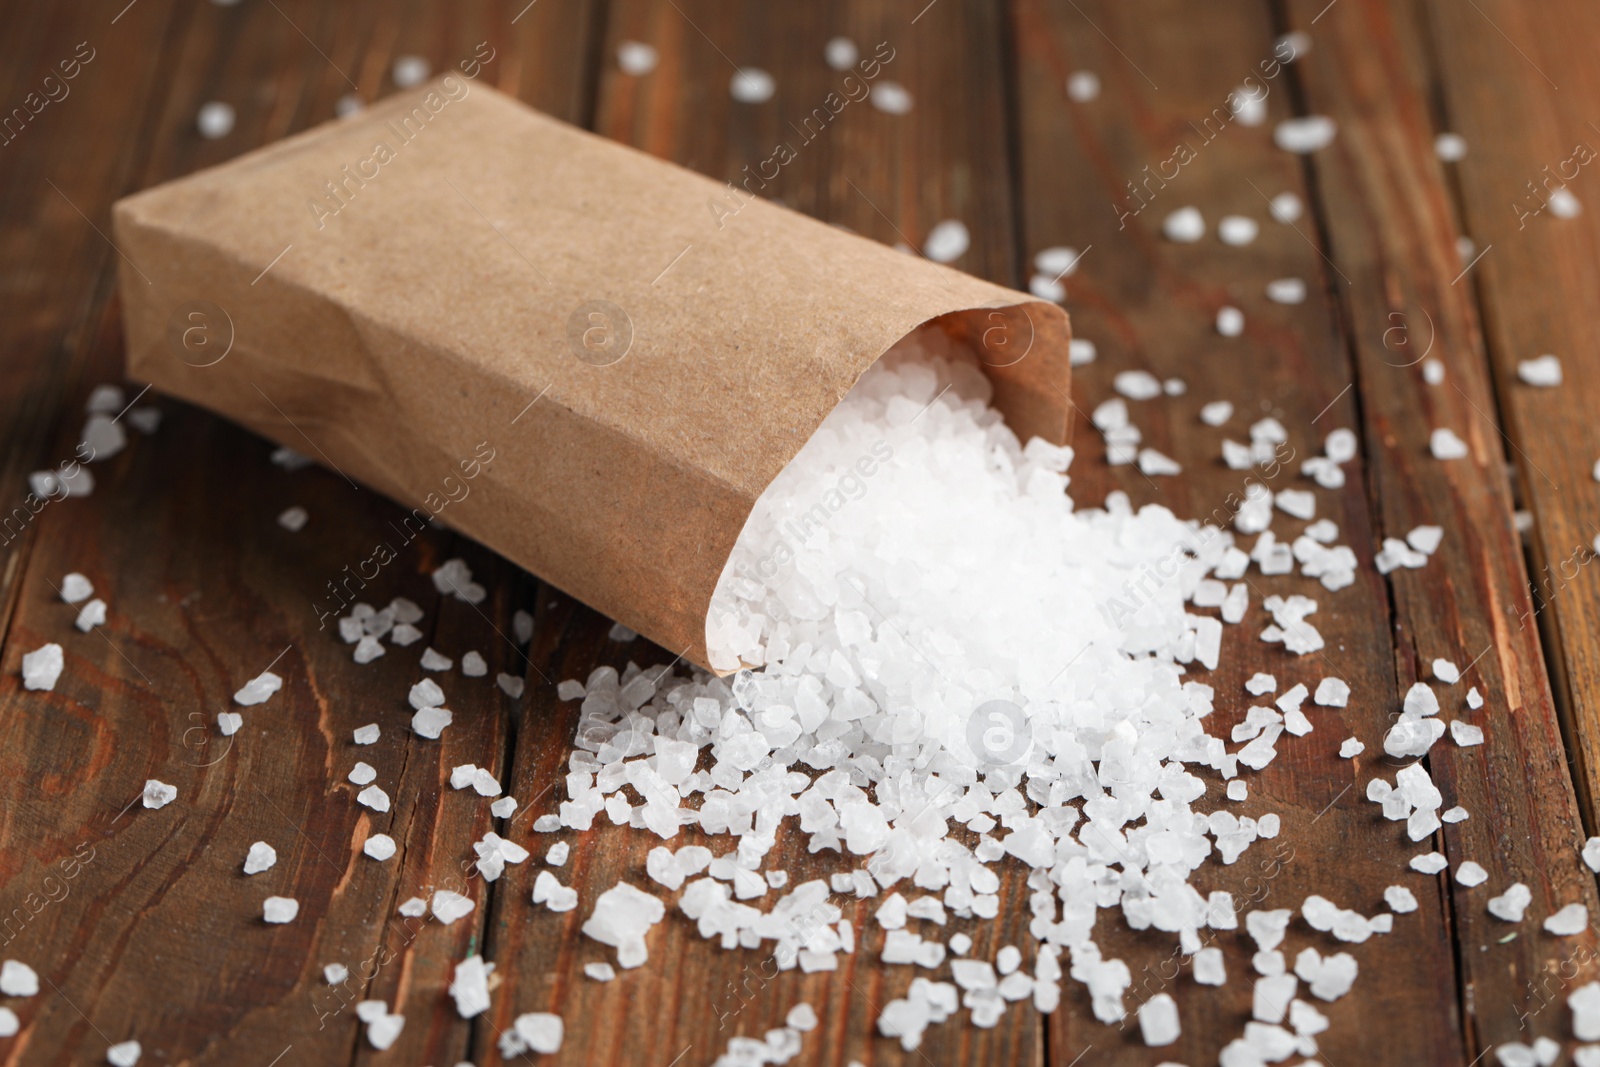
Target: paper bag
588,359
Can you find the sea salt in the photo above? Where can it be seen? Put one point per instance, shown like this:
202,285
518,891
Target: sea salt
1286,208
636,59
75,588
124,1054
374,798
1444,444
41,668
1429,863
1237,230
1230,321
17,979
229,722
622,916
430,722
159,794
947,242
1543,371
1083,86
91,615
1450,147
535,1031
752,85
1158,1020
1185,225
1572,919
258,689
379,846
469,986
293,518
261,857
891,98
448,906
366,735
1512,904
433,661
1471,874
1286,291
280,910
1304,134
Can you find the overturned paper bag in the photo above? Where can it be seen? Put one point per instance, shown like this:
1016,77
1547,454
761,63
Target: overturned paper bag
618,355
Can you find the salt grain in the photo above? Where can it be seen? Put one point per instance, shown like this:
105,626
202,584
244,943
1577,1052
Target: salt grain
159,794
91,615
891,98
379,846
448,906
1230,321
229,722
1286,291
41,668
124,1054
293,519
258,689
1286,207
1471,874
17,979
1444,444
279,910
1400,899
1563,205
261,857
1216,412
75,588
1511,905
840,53
1083,86
1429,863
1185,225
636,59
1543,371
1305,134
947,242
1450,147
410,71
374,798
366,735
1237,230
752,85
1570,920
434,661
215,120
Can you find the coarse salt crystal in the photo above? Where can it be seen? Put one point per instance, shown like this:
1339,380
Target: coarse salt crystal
258,689
124,1054
1444,444
261,857
1237,230
1185,225
1450,147
430,722
1230,321
293,519
947,242
636,59
1305,134
159,794
366,735
1470,874
373,797
1543,371
379,846
434,661
1511,905
229,722
280,910
1572,919
75,587
1083,86
41,668
410,70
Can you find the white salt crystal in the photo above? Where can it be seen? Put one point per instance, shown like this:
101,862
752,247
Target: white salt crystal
840,53
504,808
335,973
1511,905
1450,147
539,1032
1305,134
433,661
1238,790
383,1030
448,906
1444,444
17,979
1230,321
1154,463
430,722
473,665
91,615
891,98
1465,734
469,986
1286,207
1591,854
413,908
1446,671
1455,815
124,1054
522,626
947,242
622,916
379,846
1260,683
1585,1005
557,854
42,667
1425,539
1137,384
1080,352
636,59
621,633
510,685
1400,899
258,689
75,587
404,634
347,106
1572,919
1429,863
1185,225
1158,1020
366,735
1351,747
229,722
1544,370
1237,230
1216,412
1433,370
1563,205
293,519
159,794
280,909
600,972
1286,291
1209,967
1083,86
261,857
1332,693
410,70
1471,874
752,85
1056,261
374,798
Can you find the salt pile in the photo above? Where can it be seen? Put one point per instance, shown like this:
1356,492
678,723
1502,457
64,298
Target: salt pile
930,634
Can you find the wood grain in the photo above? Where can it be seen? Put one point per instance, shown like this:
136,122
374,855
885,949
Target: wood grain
1149,303
1388,221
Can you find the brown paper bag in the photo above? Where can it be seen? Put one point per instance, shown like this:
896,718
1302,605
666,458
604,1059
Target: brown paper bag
588,359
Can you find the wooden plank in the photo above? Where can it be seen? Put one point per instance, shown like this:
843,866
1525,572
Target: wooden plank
52,264
205,590
892,178
1149,303
1388,216
1518,86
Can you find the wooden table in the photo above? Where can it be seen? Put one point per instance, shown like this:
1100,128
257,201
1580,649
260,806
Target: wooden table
141,924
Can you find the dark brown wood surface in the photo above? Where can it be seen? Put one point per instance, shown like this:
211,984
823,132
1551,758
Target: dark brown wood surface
141,923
